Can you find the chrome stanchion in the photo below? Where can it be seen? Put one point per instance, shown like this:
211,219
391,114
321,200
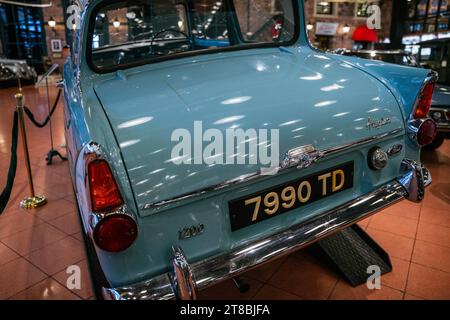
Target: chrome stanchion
33,201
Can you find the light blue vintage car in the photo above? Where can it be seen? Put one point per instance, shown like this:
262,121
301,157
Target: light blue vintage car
206,138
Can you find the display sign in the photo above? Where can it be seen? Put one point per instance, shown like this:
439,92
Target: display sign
326,28
56,45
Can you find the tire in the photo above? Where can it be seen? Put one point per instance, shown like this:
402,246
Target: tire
437,142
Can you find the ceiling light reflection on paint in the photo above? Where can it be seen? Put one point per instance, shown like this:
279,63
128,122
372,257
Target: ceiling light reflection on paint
229,119
317,76
135,122
288,123
340,114
236,100
129,143
325,103
333,87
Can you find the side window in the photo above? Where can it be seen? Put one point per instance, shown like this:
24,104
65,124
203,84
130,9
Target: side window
265,21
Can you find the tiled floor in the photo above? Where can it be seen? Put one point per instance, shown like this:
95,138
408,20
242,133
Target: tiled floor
37,246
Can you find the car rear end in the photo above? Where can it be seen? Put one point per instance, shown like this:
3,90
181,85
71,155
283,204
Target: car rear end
197,225
347,145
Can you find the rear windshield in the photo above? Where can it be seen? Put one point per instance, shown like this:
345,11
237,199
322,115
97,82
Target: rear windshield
128,33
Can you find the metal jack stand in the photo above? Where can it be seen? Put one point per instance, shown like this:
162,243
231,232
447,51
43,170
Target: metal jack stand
351,252
52,153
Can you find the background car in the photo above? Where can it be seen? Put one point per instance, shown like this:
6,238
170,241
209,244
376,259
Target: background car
440,106
434,54
13,70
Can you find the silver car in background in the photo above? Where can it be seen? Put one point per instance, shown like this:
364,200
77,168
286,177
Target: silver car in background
13,70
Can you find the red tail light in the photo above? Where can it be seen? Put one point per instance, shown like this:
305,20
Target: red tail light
115,233
426,133
105,195
424,105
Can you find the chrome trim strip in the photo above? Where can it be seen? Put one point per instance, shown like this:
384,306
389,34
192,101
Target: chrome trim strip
218,268
303,161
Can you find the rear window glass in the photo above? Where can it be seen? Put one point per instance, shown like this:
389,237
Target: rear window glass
128,32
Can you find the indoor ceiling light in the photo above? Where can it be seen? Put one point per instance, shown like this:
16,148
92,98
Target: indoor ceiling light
51,22
346,28
116,23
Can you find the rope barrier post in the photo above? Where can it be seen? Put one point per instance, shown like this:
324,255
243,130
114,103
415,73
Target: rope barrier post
33,201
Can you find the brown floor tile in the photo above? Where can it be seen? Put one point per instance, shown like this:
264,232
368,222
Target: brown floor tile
55,209
78,236
364,223
264,272
18,275
20,221
303,276
434,234
396,246
393,224
48,289
428,283
344,291
435,216
397,278
269,292
33,239
61,168
57,256
6,254
437,198
228,291
404,209
69,223
432,255
411,297
85,291
58,189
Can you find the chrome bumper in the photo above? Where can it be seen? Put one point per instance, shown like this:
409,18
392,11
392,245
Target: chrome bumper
186,279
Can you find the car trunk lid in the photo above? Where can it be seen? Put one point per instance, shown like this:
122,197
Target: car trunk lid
310,99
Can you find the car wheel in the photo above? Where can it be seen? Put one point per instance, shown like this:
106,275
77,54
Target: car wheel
437,142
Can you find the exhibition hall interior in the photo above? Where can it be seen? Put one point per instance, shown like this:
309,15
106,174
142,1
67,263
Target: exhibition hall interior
224,150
